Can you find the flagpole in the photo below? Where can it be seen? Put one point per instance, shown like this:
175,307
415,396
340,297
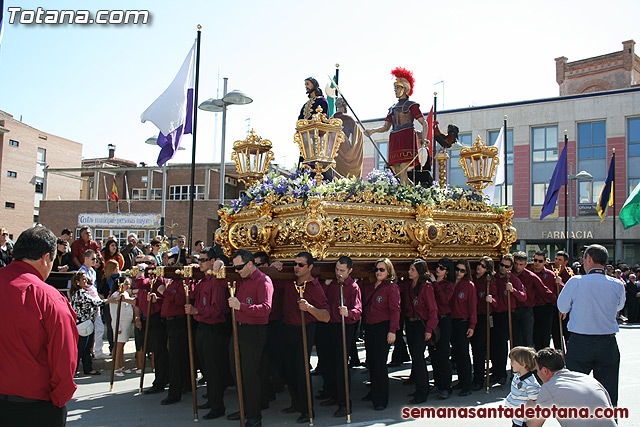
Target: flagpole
192,187
126,188
433,124
566,203
506,150
106,192
613,192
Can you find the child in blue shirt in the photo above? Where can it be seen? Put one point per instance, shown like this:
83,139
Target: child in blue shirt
524,386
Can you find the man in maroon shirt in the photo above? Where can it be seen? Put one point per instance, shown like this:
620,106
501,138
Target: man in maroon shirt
561,263
209,308
252,303
536,292
38,337
508,287
544,309
316,308
333,369
157,341
80,246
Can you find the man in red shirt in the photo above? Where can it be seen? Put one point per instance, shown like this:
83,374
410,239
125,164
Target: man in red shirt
252,303
38,337
210,308
80,246
315,307
543,312
333,372
561,263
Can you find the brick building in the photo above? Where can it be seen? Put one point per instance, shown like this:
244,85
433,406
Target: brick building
25,152
139,190
597,117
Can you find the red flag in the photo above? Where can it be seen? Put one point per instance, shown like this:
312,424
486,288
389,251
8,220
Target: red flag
430,130
114,190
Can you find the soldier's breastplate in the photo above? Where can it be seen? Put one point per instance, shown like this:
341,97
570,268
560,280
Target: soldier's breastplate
402,117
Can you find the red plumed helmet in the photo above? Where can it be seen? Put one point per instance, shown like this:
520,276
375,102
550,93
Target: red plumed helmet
405,78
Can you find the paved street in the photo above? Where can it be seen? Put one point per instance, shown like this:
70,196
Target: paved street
93,404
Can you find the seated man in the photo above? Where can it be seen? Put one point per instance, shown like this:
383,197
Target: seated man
563,388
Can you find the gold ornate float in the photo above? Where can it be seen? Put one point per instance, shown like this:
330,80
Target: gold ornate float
365,220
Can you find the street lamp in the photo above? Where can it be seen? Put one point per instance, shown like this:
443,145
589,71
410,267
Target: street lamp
581,176
234,97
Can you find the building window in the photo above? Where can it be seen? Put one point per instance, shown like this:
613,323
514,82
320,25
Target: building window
592,158
39,185
633,152
12,174
456,176
384,149
9,205
499,199
139,194
181,192
544,142
13,143
42,155
539,193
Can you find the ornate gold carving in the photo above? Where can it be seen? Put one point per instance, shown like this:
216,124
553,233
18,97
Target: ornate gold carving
479,164
252,157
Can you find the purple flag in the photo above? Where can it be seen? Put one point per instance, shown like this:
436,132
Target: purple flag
558,179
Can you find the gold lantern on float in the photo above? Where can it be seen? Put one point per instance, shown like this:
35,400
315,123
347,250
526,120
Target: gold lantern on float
252,157
479,163
319,140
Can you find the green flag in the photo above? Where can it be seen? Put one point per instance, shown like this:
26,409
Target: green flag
630,213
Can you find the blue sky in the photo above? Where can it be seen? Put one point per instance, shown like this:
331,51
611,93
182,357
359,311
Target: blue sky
90,83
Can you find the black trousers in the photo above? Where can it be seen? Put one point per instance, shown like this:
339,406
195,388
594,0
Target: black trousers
479,348
158,346
460,351
85,344
375,341
543,319
323,351
178,356
334,378
294,361
440,355
108,329
400,353
417,344
213,349
523,327
597,353
272,367
31,414
500,344
251,339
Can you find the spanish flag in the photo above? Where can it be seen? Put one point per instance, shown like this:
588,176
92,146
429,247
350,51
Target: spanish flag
606,197
114,190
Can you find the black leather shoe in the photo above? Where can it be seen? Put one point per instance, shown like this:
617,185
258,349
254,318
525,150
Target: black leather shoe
234,416
476,387
322,396
303,419
418,399
340,412
289,410
465,392
204,406
212,415
253,422
153,390
330,402
379,408
169,401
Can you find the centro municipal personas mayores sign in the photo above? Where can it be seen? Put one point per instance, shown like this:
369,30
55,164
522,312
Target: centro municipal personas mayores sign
119,220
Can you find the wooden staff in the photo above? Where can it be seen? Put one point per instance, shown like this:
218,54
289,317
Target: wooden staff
557,271
488,335
510,320
117,331
187,272
158,272
236,351
300,290
344,352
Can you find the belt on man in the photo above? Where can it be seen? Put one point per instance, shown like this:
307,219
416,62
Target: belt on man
442,316
175,317
414,319
461,320
19,399
594,335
